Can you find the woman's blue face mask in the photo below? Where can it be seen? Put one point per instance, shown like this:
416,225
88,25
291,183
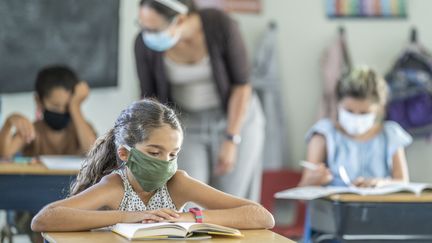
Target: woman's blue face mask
160,41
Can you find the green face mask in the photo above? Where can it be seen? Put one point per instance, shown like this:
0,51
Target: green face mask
151,173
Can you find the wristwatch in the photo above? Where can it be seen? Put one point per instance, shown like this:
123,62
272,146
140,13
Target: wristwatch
235,138
198,214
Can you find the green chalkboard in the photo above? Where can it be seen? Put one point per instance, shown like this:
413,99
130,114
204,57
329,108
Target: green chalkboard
82,34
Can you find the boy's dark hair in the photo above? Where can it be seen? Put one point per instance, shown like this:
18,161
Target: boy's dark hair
55,77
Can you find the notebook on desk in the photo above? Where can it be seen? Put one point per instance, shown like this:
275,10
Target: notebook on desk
55,162
314,192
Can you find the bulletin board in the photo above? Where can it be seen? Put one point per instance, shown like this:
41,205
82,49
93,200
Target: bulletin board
366,8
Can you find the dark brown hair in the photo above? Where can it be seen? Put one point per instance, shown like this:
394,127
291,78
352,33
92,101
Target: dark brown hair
134,125
166,11
52,77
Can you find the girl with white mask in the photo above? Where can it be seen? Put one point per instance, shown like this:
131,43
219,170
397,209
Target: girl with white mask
359,148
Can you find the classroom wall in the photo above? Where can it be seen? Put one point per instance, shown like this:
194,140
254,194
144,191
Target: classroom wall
304,33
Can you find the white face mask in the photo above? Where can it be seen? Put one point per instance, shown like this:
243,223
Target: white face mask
161,41
355,124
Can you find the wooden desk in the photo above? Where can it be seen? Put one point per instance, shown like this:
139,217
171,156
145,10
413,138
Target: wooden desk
7,168
251,236
374,218
31,186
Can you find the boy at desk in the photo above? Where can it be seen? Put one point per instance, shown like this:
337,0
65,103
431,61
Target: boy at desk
62,129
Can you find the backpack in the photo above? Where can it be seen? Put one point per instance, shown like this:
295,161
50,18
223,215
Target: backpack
410,84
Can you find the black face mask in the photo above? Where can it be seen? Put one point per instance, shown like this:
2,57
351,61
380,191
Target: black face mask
56,121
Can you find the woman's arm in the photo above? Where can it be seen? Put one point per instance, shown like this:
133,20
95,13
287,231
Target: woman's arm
316,153
237,107
86,135
83,211
221,208
238,69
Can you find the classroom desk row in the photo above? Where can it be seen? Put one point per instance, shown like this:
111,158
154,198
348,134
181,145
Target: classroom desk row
32,186
400,217
348,218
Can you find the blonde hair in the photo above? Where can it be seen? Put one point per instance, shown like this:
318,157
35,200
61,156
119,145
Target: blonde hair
362,82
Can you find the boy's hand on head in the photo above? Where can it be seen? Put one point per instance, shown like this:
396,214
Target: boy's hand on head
226,159
24,127
81,91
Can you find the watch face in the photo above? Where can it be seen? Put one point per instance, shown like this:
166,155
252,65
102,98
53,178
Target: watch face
236,139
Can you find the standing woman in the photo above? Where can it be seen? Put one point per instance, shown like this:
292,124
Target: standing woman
197,60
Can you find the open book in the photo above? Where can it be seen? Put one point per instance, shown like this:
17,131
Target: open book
173,231
314,192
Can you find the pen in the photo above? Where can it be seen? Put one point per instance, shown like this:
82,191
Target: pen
344,176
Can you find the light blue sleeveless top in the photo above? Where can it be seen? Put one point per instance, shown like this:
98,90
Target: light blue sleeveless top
369,159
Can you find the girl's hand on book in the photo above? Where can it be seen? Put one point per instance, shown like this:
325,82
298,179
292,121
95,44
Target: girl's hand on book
184,217
160,215
367,182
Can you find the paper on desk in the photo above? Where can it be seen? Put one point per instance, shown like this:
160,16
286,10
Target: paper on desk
310,192
54,162
314,192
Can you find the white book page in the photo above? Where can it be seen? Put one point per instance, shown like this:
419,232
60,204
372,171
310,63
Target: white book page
418,188
310,192
62,162
127,230
185,225
314,192
413,187
378,190
150,229
137,226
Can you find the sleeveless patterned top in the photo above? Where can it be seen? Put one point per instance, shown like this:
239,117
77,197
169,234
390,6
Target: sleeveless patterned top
132,202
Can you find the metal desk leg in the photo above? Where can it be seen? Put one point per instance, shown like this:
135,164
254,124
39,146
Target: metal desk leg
307,228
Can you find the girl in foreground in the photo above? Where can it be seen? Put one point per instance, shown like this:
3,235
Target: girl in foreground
131,176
